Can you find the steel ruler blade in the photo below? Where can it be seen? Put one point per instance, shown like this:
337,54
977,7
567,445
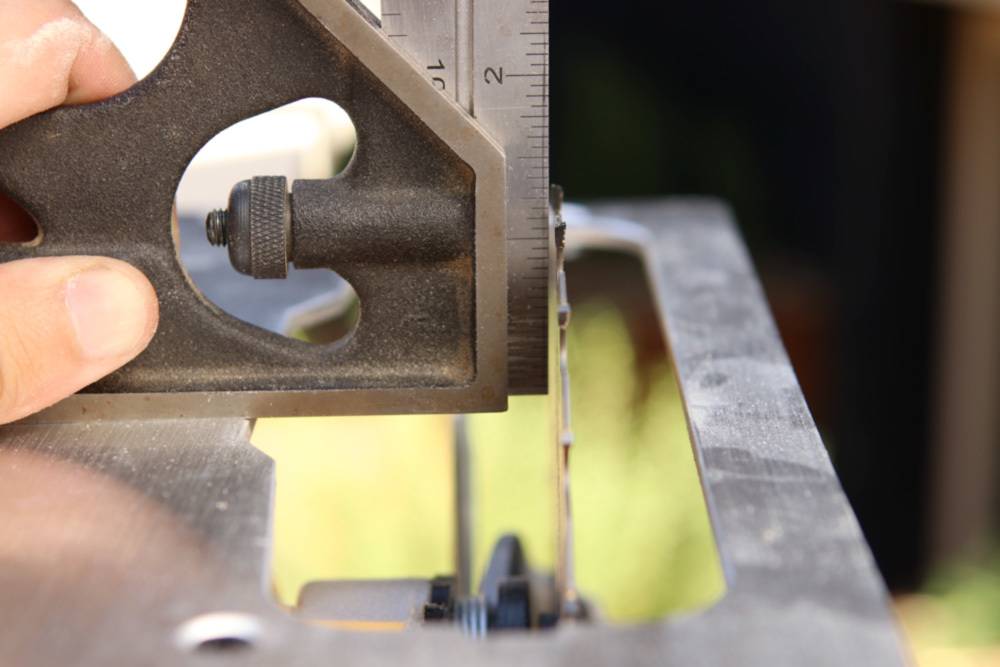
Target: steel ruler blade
492,57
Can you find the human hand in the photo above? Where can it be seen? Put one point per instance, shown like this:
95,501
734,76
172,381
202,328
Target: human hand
65,322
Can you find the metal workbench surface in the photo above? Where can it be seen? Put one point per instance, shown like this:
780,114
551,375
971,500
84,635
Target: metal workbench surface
117,534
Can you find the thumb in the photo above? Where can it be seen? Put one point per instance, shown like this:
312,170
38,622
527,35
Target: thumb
65,322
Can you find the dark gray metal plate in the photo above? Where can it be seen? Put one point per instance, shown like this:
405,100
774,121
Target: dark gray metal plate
101,180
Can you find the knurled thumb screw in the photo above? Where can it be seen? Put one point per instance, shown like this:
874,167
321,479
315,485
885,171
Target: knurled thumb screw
256,228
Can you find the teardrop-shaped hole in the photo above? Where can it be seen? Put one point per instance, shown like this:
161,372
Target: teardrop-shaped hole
17,226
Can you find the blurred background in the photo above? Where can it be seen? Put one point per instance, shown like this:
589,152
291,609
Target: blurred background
858,143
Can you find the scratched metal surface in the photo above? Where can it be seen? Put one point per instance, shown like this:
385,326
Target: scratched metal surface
115,534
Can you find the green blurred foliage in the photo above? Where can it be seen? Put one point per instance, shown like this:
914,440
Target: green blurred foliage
372,497
968,591
644,546
359,498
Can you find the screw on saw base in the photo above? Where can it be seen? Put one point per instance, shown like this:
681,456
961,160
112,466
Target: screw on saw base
217,228
472,616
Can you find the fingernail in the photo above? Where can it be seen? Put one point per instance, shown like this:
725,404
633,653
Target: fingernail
108,312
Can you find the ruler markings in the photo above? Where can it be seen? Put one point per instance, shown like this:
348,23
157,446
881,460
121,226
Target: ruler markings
492,57
511,72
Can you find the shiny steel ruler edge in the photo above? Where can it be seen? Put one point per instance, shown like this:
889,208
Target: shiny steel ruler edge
492,58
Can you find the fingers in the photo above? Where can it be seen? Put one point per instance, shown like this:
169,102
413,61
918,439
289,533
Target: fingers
50,55
65,322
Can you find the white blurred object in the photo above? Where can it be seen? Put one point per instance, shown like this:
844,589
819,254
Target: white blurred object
302,140
143,31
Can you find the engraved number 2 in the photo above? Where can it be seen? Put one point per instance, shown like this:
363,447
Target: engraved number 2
493,75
